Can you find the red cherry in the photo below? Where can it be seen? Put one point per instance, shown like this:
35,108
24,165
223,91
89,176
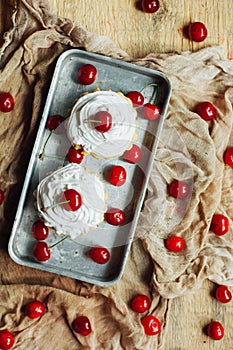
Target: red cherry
41,251
100,255
82,325
2,196
87,74
117,175
197,31
223,294
136,97
115,216
75,155
150,6
215,330
151,324
228,157
206,110
150,112
133,155
219,224
54,121
35,309
74,198
39,230
175,243
7,102
102,121
6,339
178,189
140,303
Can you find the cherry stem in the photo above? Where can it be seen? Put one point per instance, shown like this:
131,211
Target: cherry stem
155,101
61,240
156,94
41,156
92,121
148,85
55,205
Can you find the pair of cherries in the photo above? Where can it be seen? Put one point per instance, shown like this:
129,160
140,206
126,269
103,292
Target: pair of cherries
148,110
197,31
151,324
215,329
33,310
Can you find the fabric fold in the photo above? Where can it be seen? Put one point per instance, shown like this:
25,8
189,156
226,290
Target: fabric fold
190,149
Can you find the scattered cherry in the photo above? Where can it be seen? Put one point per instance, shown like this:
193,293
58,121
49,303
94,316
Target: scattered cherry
73,198
7,102
34,309
54,121
150,6
6,339
100,255
178,189
87,74
223,294
151,111
151,324
133,155
117,175
41,251
175,243
140,303
82,325
197,31
115,216
39,230
219,224
2,196
206,110
136,97
215,330
102,121
75,155
228,156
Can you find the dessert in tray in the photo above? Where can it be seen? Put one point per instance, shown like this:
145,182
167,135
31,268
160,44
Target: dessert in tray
103,123
90,176
71,200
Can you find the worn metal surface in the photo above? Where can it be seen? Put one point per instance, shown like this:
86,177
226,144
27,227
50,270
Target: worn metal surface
70,258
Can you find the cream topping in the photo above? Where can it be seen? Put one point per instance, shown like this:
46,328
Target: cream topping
91,189
115,141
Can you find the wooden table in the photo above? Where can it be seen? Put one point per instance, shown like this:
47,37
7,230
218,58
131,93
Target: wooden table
140,34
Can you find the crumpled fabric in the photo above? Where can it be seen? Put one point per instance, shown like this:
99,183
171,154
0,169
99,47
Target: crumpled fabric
190,149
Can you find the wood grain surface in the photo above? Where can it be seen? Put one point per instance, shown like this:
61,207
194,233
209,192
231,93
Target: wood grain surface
139,34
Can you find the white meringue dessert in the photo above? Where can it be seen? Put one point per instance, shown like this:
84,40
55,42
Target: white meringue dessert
82,133
68,222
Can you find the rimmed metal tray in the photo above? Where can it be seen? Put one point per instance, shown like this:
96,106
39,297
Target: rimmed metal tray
70,258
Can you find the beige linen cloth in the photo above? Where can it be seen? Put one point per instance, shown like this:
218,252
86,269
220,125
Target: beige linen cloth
190,149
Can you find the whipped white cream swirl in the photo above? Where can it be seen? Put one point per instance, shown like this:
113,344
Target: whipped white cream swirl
91,189
108,144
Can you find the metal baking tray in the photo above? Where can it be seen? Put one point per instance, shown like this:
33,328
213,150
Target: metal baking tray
70,258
